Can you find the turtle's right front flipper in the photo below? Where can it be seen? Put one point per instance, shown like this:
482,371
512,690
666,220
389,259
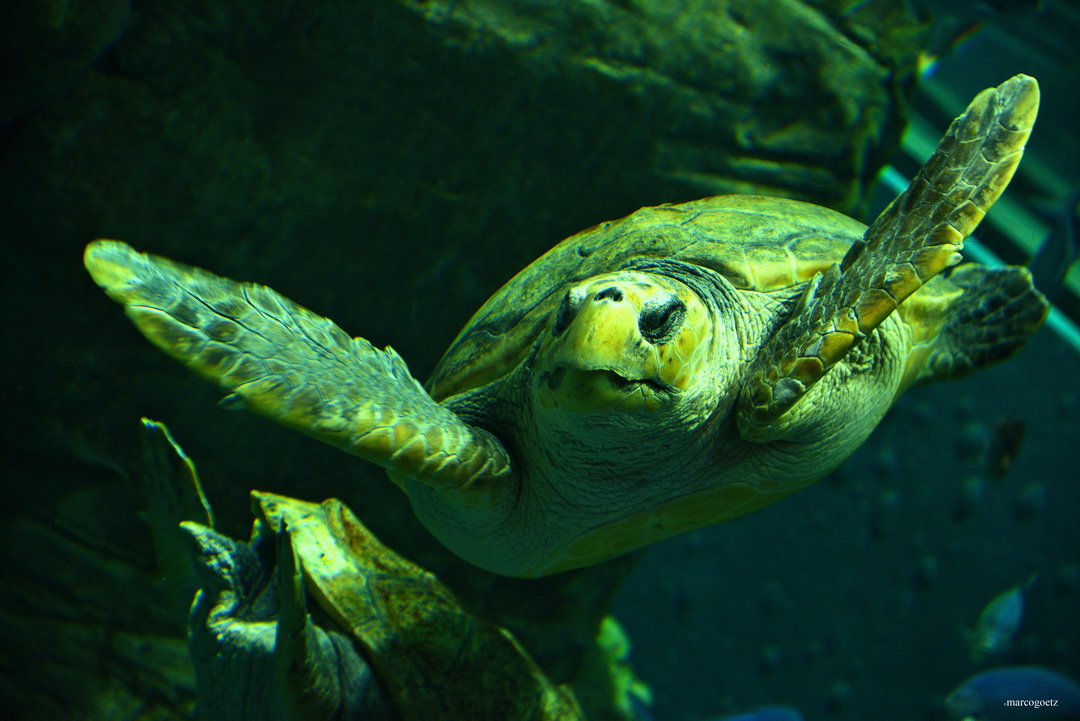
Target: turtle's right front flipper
916,237
295,367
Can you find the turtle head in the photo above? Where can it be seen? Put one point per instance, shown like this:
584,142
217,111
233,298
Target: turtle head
624,341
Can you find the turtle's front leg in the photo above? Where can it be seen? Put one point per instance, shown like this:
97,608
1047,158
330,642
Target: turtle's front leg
282,361
916,237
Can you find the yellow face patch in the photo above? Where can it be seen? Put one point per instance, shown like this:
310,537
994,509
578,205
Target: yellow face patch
623,341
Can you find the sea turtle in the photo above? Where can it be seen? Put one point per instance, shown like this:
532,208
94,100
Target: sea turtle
684,365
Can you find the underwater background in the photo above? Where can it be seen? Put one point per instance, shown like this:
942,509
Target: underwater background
389,164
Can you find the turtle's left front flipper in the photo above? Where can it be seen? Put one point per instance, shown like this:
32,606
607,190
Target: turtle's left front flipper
915,238
295,367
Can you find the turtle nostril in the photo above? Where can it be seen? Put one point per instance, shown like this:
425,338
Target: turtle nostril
612,294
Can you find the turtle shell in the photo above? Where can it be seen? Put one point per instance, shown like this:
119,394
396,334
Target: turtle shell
756,242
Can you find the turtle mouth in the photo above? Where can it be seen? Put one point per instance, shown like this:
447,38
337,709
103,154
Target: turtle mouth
563,374
587,391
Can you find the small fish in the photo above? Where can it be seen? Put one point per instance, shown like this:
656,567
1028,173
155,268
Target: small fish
1059,250
998,622
1032,693
1005,440
767,713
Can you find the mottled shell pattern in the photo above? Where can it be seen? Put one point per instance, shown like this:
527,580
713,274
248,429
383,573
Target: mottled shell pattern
757,243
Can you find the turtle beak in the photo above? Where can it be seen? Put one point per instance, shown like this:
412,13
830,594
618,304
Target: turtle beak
585,391
597,355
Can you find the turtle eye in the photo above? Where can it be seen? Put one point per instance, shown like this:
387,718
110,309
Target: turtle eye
659,322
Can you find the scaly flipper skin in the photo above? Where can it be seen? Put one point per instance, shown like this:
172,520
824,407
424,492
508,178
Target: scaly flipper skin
297,368
916,237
